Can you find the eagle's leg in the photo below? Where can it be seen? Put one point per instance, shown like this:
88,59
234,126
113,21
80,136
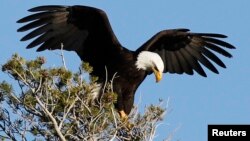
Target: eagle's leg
123,115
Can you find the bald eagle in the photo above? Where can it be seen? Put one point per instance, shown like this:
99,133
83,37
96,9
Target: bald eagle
87,31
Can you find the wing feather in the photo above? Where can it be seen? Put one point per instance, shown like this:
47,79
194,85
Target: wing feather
42,15
184,64
202,59
219,42
169,62
53,25
58,40
41,39
218,50
193,62
48,8
175,63
213,57
187,51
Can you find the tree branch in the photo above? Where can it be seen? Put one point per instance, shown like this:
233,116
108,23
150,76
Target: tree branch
59,133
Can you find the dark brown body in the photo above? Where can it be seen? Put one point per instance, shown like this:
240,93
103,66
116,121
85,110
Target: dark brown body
121,70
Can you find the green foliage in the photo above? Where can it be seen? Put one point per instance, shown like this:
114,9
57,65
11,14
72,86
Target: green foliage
57,104
5,89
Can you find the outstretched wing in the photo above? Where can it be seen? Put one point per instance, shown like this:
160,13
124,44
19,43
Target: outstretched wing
183,51
71,26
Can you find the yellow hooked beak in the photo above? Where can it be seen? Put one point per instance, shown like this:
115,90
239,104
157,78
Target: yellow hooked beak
158,75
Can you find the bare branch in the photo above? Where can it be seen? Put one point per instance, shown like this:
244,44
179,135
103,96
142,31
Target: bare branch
67,112
62,55
59,133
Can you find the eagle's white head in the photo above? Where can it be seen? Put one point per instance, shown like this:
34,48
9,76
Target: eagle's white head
150,61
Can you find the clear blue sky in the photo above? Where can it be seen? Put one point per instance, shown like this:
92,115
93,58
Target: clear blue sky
194,101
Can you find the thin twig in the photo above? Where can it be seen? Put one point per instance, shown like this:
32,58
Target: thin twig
106,80
112,80
114,136
62,55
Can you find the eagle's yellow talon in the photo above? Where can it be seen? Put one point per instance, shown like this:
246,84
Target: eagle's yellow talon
124,118
123,115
